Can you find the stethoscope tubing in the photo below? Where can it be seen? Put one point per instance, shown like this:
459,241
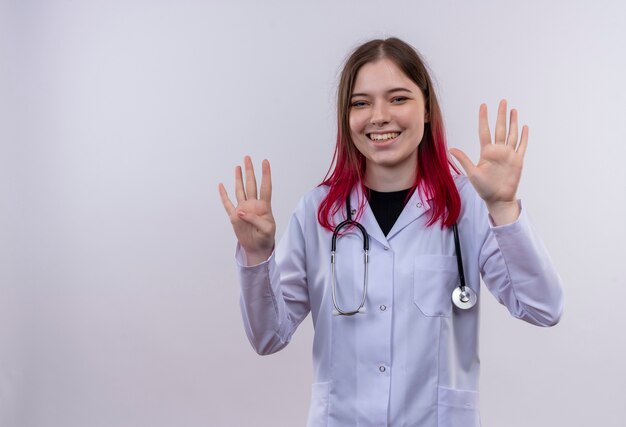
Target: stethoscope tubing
366,246
463,296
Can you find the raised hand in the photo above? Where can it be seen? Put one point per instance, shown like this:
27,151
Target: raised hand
252,218
497,175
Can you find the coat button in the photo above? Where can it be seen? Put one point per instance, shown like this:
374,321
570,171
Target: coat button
419,205
386,248
381,368
383,307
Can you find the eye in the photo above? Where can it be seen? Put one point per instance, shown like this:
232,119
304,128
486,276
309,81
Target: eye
399,99
359,104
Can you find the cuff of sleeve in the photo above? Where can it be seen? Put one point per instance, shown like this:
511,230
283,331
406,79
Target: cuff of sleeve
512,227
253,273
242,260
515,238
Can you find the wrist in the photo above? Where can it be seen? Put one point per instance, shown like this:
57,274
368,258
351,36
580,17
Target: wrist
258,256
504,212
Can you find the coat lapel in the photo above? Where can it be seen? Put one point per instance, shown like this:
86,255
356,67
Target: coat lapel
367,219
415,208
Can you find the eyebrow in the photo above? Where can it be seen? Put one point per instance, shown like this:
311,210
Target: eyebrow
390,91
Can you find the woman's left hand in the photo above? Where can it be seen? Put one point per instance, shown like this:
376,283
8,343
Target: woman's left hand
499,169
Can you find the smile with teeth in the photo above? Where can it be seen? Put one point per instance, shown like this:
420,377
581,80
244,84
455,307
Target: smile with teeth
383,136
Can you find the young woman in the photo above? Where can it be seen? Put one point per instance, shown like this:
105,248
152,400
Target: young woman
396,323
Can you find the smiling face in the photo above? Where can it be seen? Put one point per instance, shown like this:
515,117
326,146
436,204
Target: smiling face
387,116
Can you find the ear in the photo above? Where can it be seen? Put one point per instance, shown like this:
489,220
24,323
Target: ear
426,117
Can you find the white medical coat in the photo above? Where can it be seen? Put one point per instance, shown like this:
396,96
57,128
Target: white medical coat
412,358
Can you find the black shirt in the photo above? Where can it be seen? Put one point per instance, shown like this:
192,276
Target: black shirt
387,207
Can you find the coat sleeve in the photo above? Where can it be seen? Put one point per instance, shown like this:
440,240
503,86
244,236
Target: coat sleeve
274,294
517,270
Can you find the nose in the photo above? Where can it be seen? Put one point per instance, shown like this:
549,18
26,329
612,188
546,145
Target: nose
380,114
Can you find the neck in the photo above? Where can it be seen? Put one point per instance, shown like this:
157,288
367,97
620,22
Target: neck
386,179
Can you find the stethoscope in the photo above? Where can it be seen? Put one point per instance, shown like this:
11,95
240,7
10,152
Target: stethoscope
463,296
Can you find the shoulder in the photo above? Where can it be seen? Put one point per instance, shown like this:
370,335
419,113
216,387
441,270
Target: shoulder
314,196
463,184
471,203
305,212
310,201
465,188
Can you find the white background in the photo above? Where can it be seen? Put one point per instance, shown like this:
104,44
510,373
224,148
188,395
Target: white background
118,294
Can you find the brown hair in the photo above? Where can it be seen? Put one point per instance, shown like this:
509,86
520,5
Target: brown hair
403,55
433,177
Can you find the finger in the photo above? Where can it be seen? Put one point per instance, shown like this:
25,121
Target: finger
250,178
239,193
228,205
484,134
500,137
264,226
512,138
266,181
464,160
523,143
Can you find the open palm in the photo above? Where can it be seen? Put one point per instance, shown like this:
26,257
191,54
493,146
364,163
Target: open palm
252,218
497,174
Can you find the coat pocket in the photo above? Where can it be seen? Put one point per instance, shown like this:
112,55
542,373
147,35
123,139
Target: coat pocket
458,408
434,279
318,410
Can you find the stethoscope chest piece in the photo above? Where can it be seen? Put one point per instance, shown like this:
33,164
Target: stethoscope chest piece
464,297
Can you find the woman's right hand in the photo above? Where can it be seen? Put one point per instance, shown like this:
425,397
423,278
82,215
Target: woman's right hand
252,218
